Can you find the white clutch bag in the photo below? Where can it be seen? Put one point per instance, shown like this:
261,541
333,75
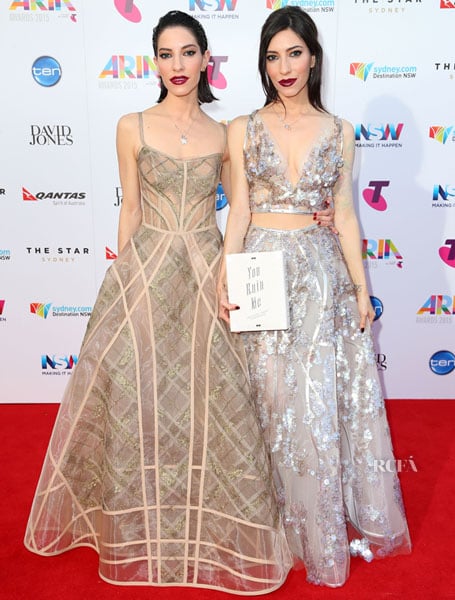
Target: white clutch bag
257,283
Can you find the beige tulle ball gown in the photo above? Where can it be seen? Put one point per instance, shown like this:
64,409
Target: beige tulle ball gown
156,459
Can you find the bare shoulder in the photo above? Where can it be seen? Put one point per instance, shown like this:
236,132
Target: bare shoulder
348,129
237,126
217,126
128,124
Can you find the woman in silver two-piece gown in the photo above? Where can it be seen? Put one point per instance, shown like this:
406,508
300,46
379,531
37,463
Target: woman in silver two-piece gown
156,460
315,384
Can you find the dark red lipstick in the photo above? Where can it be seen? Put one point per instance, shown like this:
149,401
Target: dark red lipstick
287,82
180,80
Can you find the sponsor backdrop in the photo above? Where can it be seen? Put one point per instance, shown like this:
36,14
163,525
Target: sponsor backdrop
75,66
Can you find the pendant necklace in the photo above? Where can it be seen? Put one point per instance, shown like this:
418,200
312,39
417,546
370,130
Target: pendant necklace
287,126
183,134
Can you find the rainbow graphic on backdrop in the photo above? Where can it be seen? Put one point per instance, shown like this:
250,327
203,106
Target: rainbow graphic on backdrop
42,310
360,70
439,133
276,4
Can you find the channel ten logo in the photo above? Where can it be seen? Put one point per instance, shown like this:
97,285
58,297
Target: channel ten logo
442,362
46,71
378,307
220,198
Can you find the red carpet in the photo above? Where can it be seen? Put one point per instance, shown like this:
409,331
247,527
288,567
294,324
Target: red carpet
423,433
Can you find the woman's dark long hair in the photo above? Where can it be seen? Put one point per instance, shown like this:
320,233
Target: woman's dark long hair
296,19
177,18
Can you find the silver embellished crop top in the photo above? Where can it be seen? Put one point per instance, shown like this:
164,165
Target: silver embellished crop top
270,188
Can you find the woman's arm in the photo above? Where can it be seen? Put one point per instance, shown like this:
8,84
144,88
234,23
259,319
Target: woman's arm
239,209
131,210
348,227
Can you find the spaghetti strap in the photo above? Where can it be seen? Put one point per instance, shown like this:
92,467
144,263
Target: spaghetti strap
141,128
225,138
249,125
340,137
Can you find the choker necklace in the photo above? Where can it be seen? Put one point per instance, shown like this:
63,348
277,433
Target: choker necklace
183,134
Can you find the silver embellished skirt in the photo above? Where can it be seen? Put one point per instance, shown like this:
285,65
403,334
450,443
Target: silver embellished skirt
321,408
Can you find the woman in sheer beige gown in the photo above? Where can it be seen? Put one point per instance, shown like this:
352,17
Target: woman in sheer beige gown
156,459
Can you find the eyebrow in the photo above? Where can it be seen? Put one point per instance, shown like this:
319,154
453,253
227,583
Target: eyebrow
287,49
183,47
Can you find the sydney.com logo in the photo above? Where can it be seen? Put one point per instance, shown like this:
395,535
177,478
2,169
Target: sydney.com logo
308,5
364,70
442,134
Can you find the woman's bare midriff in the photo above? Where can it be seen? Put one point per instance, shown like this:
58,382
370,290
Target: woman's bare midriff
282,221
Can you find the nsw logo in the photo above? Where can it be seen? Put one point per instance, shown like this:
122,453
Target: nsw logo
446,4
442,362
375,135
212,5
54,364
443,195
46,71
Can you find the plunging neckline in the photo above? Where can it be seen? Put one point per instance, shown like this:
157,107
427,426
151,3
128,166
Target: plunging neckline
316,147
